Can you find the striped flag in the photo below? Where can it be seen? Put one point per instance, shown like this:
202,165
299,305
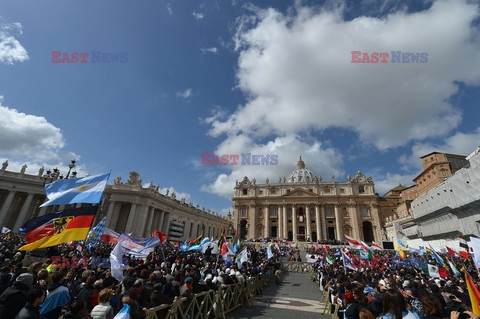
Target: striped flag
473,293
124,313
76,190
376,246
464,247
353,242
347,262
451,252
109,236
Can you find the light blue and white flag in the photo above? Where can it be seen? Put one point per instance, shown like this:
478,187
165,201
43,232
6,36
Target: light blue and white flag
205,244
95,234
59,297
269,252
195,248
184,247
87,190
124,313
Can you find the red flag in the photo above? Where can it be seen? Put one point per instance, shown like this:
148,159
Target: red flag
353,242
224,249
443,272
316,247
451,252
463,254
160,235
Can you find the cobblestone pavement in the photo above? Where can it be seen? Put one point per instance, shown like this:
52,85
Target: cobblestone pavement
296,297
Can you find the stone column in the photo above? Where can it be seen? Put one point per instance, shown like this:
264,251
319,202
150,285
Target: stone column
279,222
339,222
318,222
23,212
252,221
324,222
267,222
112,215
166,222
355,222
160,220
377,230
6,207
285,222
131,218
149,225
309,223
294,222
142,220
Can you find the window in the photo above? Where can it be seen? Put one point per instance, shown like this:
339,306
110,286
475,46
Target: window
329,212
361,189
273,212
327,190
310,190
260,192
365,212
342,190
244,212
245,191
273,191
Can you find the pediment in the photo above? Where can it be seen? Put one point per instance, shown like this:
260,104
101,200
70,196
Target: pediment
299,192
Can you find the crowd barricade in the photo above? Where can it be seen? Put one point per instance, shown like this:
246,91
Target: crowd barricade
295,266
211,304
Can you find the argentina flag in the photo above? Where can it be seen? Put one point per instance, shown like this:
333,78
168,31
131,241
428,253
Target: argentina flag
87,190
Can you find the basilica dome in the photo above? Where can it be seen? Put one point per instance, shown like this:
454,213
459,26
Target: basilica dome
301,174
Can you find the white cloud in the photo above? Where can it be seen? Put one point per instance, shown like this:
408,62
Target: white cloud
178,195
213,50
198,15
169,9
10,48
185,94
296,72
32,140
458,143
319,159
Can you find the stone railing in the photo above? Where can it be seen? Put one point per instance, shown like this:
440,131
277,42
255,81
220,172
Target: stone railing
211,304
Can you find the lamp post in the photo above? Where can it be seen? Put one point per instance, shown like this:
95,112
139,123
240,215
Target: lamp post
71,165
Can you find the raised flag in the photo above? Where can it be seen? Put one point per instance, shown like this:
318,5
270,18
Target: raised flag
433,271
365,246
347,262
376,246
475,245
401,252
124,313
462,242
455,271
109,236
353,242
184,247
160,235
437,257
242,257
443,272
473,293
451,252
329,259
95,234
58,228
269,252
116,266
196,241
87,190
6,230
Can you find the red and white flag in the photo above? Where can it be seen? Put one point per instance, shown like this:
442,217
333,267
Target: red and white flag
365,246
354,243
451,252
109,236
376,246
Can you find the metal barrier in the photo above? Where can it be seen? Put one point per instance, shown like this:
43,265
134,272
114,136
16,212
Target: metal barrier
294,266
211,304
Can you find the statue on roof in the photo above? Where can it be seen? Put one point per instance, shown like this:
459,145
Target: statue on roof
40,171
134,179
4,165
24,168
117,180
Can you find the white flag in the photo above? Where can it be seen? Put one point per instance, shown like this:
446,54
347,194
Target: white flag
242,257
475,246
5,230
433,271
214,244
116,262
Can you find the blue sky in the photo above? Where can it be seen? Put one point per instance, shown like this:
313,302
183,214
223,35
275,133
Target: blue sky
228,77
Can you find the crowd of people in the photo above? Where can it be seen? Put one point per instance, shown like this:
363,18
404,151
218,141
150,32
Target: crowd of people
395,288
44,290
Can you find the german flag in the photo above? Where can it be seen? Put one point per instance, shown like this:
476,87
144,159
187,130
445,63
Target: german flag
58,228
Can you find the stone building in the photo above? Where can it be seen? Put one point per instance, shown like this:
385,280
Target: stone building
437,167
129,207
451,208
306,207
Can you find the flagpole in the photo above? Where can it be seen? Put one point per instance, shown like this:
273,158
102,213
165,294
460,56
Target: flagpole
344,268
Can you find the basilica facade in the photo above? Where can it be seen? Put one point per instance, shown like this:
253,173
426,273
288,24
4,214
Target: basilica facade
304,207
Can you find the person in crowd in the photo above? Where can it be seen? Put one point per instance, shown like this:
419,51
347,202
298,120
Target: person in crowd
14,298
35,298
58,296
103,310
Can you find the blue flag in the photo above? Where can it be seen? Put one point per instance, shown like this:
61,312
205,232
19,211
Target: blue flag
87,190
184,246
